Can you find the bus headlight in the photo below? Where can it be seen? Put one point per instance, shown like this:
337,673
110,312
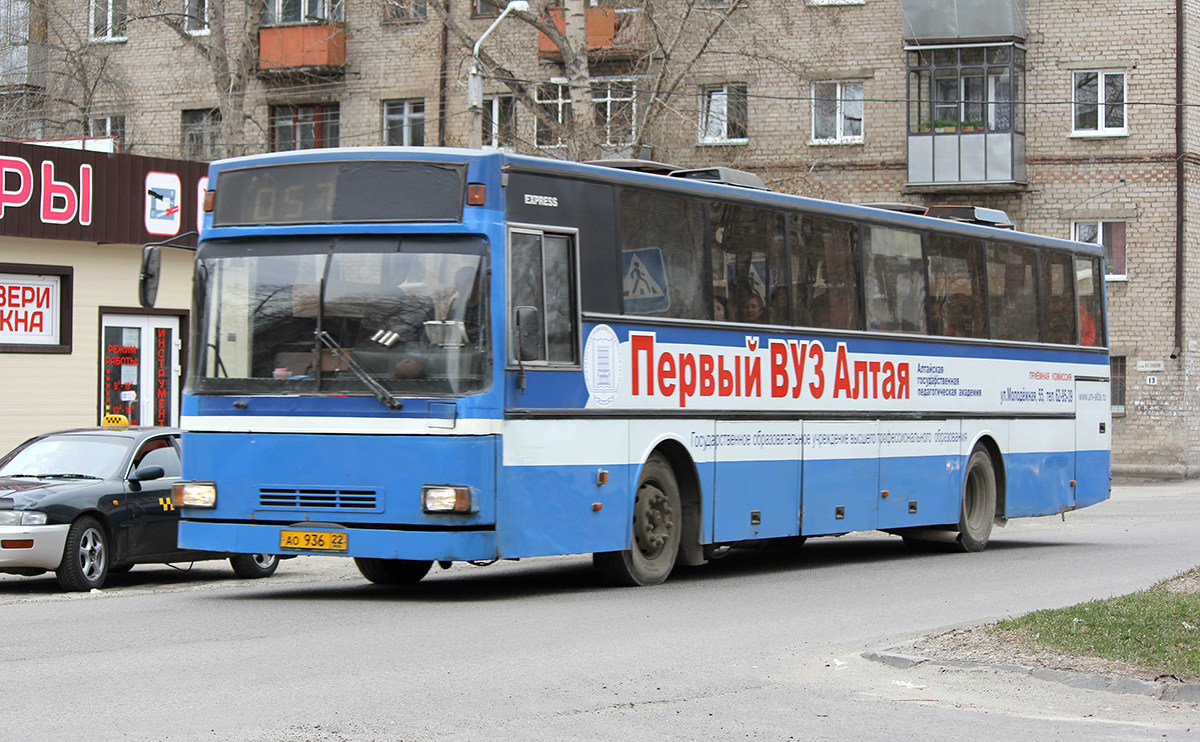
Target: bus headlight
194,495
447,498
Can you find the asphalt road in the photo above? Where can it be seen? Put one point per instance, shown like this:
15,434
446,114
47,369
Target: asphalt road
750,647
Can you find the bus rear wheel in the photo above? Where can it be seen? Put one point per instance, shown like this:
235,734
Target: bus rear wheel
392,571
978,502
657,529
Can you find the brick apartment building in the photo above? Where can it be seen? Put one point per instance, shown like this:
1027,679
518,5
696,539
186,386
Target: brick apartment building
1066,115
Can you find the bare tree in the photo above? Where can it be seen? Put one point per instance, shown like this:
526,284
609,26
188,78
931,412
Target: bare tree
230,49
665,42
54,80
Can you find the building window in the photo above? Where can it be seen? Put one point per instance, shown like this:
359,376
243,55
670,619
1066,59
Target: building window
404,11
202,134
1099,103
108,20
195,19
615,112
1111,234
837,112
1117,375
724,114
554,101
304,127
965,89
280,12
108,126
499,122
484,9
404,122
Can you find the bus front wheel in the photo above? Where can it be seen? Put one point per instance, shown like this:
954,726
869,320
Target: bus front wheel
392,571
657,528
978,502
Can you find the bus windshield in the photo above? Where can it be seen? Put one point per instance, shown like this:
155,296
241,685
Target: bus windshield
283,316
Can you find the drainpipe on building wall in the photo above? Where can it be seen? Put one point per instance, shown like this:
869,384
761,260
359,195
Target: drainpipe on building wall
442,73
1180,171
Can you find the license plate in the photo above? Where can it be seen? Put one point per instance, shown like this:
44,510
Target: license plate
314,540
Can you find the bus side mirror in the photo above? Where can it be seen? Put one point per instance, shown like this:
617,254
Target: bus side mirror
148,279
529,334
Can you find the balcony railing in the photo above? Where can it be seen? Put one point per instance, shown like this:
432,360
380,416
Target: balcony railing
312,46
610,31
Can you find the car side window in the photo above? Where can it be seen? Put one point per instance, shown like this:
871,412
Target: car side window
159,452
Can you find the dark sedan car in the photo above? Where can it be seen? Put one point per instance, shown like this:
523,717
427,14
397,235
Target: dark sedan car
92,502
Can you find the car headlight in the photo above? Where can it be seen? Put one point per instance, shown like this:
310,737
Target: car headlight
194,495
22,518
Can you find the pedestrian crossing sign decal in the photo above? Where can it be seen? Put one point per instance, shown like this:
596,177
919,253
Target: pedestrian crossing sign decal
644,278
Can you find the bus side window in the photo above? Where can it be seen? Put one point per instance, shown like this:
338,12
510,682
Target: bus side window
748,259
826,273
662,256
543,277
956,306
1091,316
1056,282
1012,292
895,280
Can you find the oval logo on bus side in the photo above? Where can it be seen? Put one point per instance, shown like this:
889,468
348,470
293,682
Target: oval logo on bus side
602,365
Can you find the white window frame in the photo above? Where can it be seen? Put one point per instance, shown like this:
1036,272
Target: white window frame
207,129
603,94
714,113
113,16
405,11
492,139
108,125
403,113
840,114
561,103
1102,108
1098,226
190,10
312,12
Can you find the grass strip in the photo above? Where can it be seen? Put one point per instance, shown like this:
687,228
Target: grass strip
1157,628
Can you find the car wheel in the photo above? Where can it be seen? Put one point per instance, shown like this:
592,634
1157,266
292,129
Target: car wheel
85,557
254,566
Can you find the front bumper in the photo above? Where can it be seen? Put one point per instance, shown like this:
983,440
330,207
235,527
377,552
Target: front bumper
47,549
245,538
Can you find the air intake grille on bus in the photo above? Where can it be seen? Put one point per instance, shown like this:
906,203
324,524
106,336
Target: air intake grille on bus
314,498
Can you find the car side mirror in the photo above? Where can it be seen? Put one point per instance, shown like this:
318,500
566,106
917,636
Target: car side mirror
147,473
148,278
529,334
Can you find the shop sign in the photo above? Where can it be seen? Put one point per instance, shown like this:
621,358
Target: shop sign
29,309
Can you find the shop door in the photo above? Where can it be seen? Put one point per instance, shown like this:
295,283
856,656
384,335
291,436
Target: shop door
139,376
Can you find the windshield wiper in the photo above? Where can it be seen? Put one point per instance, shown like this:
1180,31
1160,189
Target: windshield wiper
65,476
382,394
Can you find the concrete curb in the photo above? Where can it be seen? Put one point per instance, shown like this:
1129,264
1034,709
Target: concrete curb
1181,692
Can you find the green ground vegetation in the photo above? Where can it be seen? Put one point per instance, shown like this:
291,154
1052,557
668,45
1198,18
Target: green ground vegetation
1158,628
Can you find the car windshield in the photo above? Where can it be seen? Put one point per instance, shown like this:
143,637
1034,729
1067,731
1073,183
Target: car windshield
283,316
84,456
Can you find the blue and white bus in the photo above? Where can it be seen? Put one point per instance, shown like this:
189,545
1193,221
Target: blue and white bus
410,356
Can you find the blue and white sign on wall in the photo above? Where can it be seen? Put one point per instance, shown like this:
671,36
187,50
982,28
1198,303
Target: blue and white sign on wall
645,281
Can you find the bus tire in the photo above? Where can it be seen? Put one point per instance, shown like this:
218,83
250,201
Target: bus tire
392,571
978,502
254,566
657,531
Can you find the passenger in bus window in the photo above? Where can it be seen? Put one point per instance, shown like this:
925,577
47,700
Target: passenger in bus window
1087,325
720,308
752,309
